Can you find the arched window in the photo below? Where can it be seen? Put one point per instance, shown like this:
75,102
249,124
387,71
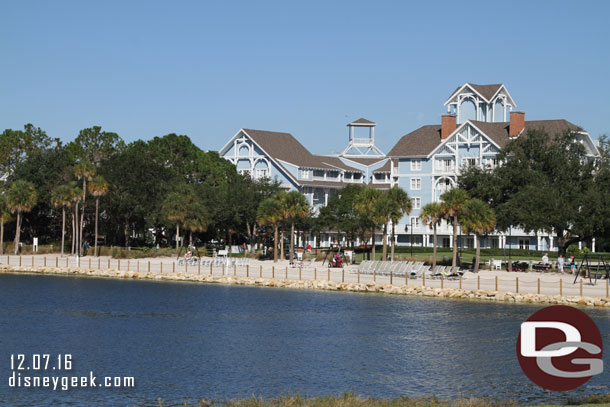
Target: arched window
468,110
244,150
499,111
261,169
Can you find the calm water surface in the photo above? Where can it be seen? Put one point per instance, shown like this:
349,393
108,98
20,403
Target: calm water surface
189,341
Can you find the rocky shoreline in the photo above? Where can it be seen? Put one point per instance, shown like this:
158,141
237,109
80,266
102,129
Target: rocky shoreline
371,287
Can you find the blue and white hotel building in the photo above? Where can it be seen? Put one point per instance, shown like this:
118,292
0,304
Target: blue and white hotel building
480,120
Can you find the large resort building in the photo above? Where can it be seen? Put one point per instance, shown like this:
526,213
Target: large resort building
480,120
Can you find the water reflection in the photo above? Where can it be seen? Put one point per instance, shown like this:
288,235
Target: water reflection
209,341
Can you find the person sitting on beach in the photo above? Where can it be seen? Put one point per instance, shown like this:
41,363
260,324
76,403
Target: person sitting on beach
560,263
188,255
545,259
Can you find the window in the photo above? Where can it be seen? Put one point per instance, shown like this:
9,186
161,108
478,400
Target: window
524,244
446,165
415,221
415,183
415,165
332,174
318,174
416,203
261,173
470,162
304,173
491,162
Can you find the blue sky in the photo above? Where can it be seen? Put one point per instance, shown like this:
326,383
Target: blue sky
206,69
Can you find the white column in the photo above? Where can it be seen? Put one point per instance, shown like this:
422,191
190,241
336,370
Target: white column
580,245
315,241
451,240
593,245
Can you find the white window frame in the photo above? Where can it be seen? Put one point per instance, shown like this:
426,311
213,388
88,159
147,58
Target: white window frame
466,162
415,223
415,184
416,165
262,173
304,173
416,202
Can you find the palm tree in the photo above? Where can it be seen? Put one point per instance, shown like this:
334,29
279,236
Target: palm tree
62,197
295,207
21,197
5,216
383,210
478,218
83,170
270,212
97,187
196,220
432,215
365,204
453,204
76,198
174,209
403,205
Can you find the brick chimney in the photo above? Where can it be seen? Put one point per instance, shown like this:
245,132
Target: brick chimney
448,125
517,123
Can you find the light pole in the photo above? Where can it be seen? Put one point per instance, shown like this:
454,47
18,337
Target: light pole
411,240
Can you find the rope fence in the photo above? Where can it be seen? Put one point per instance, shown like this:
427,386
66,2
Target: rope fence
524,283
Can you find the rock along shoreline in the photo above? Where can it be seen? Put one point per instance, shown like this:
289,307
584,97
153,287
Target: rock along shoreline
370,287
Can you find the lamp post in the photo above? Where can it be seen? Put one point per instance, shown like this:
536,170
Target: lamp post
412,219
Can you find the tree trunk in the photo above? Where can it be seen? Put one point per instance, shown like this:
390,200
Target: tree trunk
190,239
18,232
97,205
385,243
126,232
291,241
75,228
434,248
72,233
455,247
63,228
478,254
1,237
275,227
373,241
177,236
393,241
82,219
282,244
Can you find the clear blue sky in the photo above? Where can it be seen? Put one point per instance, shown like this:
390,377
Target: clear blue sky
206,69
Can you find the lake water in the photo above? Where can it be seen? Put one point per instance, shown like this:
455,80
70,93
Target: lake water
186,341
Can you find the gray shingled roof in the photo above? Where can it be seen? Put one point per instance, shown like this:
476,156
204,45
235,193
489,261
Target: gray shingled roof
422,141
285,147
362,121
487,91
336,162
384,168
364,160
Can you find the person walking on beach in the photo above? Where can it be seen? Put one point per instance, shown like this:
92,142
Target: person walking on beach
560,262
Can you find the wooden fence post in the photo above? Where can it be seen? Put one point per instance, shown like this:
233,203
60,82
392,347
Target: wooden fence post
99,263
391,278
442,282
561,287
423,280
358,276
108,264
538,286
272,272
517,285
56,261
581,287
300,271
460,282
343,275
496,283
119,264
328,277
45,261
478,283
223,269
173,266
149,266
211,271
89,262
247,270
161,267
235,269
286,278
375,276
260,272
19,260
32,261
315,273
